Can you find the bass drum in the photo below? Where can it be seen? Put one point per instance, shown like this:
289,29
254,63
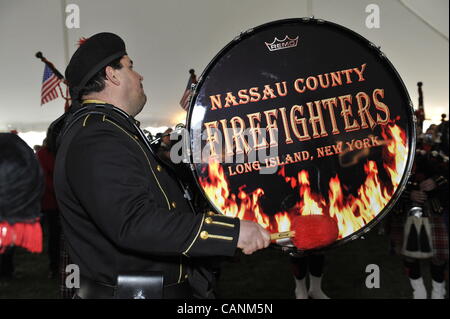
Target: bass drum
302,117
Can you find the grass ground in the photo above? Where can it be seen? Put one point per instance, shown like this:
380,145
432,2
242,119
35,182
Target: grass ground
265,274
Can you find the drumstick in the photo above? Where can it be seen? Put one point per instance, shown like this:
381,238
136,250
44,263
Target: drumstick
282,235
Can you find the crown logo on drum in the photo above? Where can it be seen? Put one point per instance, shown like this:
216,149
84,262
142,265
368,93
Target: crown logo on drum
286,43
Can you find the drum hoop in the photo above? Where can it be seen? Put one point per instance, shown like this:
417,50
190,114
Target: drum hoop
411,133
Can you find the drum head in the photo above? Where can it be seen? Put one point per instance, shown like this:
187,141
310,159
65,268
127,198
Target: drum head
302,117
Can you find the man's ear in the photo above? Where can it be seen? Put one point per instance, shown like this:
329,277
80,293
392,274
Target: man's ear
111,75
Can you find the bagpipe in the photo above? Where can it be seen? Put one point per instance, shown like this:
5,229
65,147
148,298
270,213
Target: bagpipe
430,166
420,112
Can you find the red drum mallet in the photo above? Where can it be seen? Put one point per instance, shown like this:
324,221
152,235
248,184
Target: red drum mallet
310,231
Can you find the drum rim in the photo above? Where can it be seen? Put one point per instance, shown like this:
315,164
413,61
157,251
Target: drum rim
410,131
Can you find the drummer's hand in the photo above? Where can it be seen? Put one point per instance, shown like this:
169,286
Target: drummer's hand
252,237
418,196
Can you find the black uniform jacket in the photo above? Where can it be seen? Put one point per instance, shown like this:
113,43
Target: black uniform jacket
123,211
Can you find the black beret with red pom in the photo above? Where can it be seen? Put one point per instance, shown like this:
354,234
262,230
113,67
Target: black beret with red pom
92,55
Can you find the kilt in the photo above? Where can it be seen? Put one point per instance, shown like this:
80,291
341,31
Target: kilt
439,234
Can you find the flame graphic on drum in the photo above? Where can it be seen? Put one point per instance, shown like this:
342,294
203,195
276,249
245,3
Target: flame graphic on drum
350,212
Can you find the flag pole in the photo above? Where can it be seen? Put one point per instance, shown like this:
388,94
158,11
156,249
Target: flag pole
40,56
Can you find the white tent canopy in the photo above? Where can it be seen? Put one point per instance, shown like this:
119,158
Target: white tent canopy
167,38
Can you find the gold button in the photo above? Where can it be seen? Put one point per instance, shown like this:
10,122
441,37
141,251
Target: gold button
208,220
158,168
186,276
204,235
174,205
210,213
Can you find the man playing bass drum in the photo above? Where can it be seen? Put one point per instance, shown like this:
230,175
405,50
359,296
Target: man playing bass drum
124,214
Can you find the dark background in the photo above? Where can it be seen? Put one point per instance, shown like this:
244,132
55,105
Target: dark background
263,275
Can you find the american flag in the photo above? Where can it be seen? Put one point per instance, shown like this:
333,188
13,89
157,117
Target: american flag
50,83
184,102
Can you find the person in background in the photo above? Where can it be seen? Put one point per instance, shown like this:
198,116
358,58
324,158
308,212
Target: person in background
418,231
51,218
314,265
443,133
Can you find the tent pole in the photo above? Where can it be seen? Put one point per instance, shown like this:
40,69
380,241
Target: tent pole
309,8
65,35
